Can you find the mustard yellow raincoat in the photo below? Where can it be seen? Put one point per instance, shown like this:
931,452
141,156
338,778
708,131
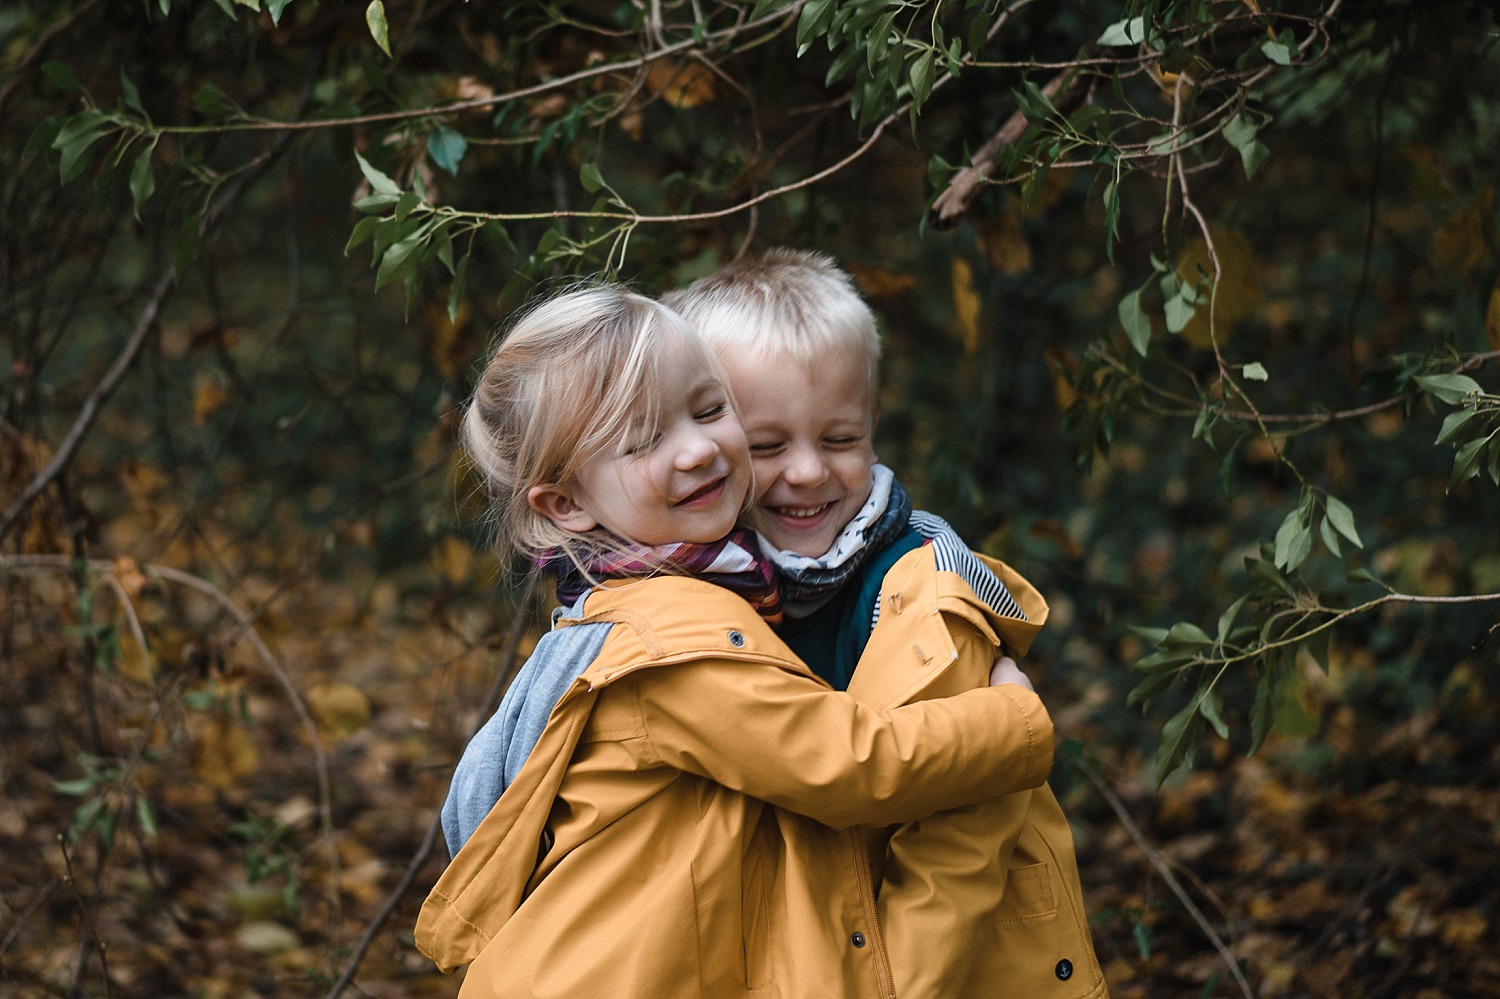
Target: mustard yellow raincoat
688,824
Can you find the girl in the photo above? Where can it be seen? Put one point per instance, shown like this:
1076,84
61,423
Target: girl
682,824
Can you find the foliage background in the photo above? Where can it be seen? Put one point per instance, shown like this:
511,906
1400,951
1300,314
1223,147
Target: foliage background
248,616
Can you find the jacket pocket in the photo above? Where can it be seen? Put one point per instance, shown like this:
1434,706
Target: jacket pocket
757,881
1029,895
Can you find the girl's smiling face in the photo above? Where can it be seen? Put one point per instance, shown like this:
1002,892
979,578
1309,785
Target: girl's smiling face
684,479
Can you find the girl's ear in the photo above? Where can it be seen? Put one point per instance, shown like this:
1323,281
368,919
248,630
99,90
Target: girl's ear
559,505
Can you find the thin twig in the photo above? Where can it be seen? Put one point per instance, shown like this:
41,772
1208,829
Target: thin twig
1154,857
503,677
95,400
18,74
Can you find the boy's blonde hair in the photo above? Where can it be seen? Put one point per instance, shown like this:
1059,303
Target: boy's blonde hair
782,305
572,377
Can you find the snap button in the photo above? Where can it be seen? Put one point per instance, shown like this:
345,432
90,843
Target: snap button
1064,970
736,639
858,939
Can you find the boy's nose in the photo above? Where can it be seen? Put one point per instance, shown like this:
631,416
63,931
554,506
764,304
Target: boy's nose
805,467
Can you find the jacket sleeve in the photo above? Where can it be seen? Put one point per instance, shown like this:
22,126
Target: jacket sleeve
944,875
787,739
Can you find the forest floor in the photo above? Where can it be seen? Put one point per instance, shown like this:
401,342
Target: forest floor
221,850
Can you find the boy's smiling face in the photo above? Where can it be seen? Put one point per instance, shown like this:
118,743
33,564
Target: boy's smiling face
811,429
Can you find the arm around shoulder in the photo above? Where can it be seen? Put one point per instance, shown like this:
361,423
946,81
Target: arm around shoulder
781,736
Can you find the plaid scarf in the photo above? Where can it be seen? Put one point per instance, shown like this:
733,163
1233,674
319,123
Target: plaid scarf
733,562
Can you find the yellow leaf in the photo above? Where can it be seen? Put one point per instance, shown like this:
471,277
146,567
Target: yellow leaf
681,84
1063,366
1004,245
1463,242
447,341
225,754
454,560
1492,318
135,661
1238,295
340,708
128,574
209,399
880,282
966,303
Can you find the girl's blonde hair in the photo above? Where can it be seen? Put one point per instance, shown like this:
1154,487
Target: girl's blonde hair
572,377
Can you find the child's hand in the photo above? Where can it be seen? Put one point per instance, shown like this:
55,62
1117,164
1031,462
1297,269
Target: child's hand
1005,670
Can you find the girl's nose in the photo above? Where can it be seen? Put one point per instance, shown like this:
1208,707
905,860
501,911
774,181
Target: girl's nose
697,449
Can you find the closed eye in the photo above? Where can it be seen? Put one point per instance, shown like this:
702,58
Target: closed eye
767,448
641,447
711,413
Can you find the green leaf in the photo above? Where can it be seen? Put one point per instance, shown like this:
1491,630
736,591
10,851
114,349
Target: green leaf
394,261
1343,519
142,180
816,16
43,135
363,230
1128,32
1317,647
1178,737
276,7
372,204
62,76
923,72
1179,310
404,205
447,148
379,29
1263,712
1330,537
1227,619
1453,423
1360,575
1036,105
1152,636
457,289
1240,131
1253,157
1186,635
211,102
379,182
75,137
1452,389
73,788
1212,709
590,177
145,815
1290,524
1148,690
1256,372
1277,52
1137,324
1466,463
130,95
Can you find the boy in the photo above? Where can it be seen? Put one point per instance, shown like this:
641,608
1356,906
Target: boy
976,902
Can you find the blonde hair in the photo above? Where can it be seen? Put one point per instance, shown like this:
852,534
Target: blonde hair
572,377
782,305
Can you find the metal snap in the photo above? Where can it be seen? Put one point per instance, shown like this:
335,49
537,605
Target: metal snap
858,939
736,639
1064,970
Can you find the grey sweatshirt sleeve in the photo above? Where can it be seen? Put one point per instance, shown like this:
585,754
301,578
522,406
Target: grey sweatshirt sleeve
498,750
